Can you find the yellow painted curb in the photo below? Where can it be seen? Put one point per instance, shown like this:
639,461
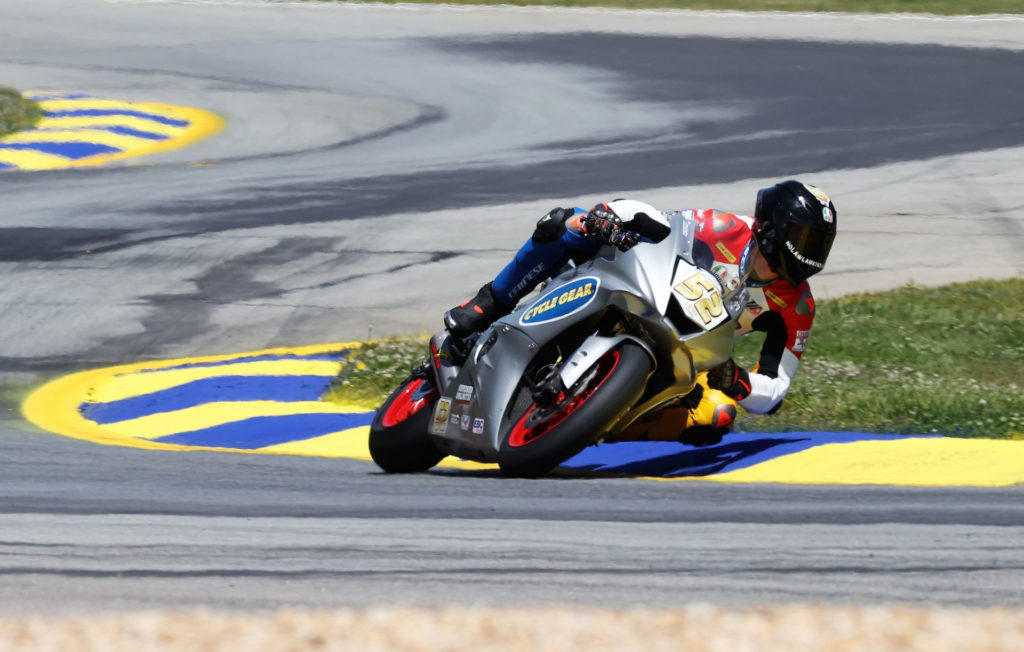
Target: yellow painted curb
931,461
54,406
54,130
939,462
203,125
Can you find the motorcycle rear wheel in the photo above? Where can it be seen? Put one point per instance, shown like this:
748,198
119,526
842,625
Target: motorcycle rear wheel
399,442
539,439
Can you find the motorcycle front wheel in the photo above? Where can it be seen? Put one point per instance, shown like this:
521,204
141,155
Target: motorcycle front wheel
399,442
542,437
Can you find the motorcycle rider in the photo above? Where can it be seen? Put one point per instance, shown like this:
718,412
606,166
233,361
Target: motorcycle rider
774,252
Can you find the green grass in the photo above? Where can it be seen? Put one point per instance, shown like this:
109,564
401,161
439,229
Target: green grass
16,113
373,371
915,360
944,360
946,7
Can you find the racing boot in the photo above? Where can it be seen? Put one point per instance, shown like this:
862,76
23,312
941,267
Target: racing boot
476,314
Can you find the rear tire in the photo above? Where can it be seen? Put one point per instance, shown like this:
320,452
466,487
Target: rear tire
538,439
399,440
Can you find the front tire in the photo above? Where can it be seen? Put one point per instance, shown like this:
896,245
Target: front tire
539,438
399,442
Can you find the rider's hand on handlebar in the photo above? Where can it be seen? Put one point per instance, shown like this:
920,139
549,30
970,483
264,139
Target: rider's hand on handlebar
602,222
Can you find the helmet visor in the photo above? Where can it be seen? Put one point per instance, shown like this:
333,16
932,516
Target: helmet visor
806,250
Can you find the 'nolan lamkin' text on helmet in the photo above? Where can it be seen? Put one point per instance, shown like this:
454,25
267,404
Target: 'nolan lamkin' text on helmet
795,227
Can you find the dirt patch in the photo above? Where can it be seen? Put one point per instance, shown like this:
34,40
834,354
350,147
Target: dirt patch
696,627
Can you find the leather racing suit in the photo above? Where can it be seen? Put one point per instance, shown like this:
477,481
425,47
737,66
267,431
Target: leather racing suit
782,311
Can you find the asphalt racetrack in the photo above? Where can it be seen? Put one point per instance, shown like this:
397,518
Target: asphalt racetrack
377,165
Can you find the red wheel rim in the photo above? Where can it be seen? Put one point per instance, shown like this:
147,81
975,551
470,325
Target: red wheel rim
406,404
522,434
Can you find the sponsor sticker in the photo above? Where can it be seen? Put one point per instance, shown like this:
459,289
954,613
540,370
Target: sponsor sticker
802,258
478,426
774,297
818,193
562,301
729,256
727,275
441,412
464,394
465,422
801,341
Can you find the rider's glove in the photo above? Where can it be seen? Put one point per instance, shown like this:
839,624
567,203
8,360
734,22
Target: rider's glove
731,379
602,223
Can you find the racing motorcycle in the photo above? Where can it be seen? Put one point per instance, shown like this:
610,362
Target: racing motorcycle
600,346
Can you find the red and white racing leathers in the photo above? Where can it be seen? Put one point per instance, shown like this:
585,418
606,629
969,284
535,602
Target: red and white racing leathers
782,311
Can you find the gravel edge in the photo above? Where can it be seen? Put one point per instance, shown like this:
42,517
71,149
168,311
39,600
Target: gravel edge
694,627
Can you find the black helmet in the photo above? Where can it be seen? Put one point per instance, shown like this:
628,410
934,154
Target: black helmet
795,226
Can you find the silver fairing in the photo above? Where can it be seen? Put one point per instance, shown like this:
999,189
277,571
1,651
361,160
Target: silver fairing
636,286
